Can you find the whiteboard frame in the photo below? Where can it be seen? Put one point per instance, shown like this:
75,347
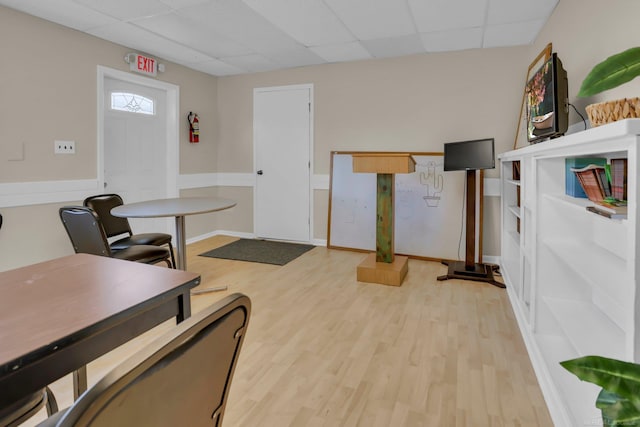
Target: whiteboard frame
479,207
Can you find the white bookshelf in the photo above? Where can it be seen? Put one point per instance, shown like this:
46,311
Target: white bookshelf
571,274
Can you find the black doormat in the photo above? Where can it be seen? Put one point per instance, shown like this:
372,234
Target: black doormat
264,251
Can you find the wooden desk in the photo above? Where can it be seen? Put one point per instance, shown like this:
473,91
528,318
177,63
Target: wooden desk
178,208
59,315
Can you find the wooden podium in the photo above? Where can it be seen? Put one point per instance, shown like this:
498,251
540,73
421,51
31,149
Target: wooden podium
383,266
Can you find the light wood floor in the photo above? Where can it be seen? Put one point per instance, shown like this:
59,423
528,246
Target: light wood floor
324,350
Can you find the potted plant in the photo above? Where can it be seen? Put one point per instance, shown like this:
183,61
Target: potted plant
612,72
619,399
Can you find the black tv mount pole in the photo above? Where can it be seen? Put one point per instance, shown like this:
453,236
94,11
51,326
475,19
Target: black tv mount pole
469,269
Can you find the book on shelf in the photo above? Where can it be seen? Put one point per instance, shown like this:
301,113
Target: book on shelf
598,210
572,184
613,206
619,178
593,180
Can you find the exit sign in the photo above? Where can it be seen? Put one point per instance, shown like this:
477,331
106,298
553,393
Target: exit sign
143,64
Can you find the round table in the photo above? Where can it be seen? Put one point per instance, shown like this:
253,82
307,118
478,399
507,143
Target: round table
177,207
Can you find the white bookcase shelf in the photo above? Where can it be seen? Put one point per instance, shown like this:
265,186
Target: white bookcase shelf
571,275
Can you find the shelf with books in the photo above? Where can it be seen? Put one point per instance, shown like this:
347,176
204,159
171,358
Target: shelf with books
578,282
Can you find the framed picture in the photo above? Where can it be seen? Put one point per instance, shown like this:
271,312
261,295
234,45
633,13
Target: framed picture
521,130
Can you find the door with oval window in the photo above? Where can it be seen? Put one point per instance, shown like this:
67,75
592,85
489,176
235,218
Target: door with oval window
135,164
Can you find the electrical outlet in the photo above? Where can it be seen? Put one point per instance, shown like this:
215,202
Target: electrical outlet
64,147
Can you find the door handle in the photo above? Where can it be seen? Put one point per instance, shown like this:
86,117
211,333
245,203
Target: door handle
259,172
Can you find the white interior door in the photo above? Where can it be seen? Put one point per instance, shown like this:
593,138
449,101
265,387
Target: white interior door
135,146
282,144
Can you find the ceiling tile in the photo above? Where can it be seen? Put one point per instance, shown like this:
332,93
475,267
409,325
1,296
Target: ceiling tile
193,34
216,67
251,63
396,46
150,43
352,51
508,11
520,33
236,36
179,4
441,41
236,21
63,12
310,22
127,9
295,57
439,15
374,19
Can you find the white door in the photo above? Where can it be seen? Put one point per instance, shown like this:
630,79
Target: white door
282,144
135,146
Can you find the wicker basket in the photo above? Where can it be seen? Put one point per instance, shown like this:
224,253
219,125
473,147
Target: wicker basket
611,111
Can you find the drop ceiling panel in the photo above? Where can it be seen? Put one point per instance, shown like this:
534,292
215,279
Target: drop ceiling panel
127,9
236,21
195,35
440,15
251,63
310,22
178,4
149,43
396,46
509,11
216,67
63,12
342,52
235,36
442,41
512,34
374,19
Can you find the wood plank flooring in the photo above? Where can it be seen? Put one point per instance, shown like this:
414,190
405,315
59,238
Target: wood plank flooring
325,350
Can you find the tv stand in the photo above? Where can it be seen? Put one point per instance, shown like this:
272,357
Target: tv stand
469,269
478,272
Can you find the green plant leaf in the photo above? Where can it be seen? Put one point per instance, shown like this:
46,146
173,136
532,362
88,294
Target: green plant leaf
613,71
620,413
615,376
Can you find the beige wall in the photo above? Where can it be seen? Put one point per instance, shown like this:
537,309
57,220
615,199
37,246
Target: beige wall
48,80
414,103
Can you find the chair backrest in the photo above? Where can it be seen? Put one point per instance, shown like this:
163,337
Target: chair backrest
181,379
85,230
102,205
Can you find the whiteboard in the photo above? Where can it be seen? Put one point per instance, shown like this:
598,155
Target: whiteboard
429,209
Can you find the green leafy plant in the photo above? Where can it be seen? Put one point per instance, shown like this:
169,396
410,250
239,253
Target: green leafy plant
612,72
619,399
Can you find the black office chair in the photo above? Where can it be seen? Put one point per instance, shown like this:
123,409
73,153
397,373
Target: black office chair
87,236
115,226
181,379
18,412
15,413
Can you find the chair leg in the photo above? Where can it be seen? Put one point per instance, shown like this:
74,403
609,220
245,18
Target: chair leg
173,258
52,403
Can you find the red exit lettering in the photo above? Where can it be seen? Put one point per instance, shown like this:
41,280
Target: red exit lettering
145,64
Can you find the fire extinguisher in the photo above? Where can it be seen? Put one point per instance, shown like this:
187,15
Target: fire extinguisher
194,127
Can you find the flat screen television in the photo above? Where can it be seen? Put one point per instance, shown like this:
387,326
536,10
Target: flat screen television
467,155
547,105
